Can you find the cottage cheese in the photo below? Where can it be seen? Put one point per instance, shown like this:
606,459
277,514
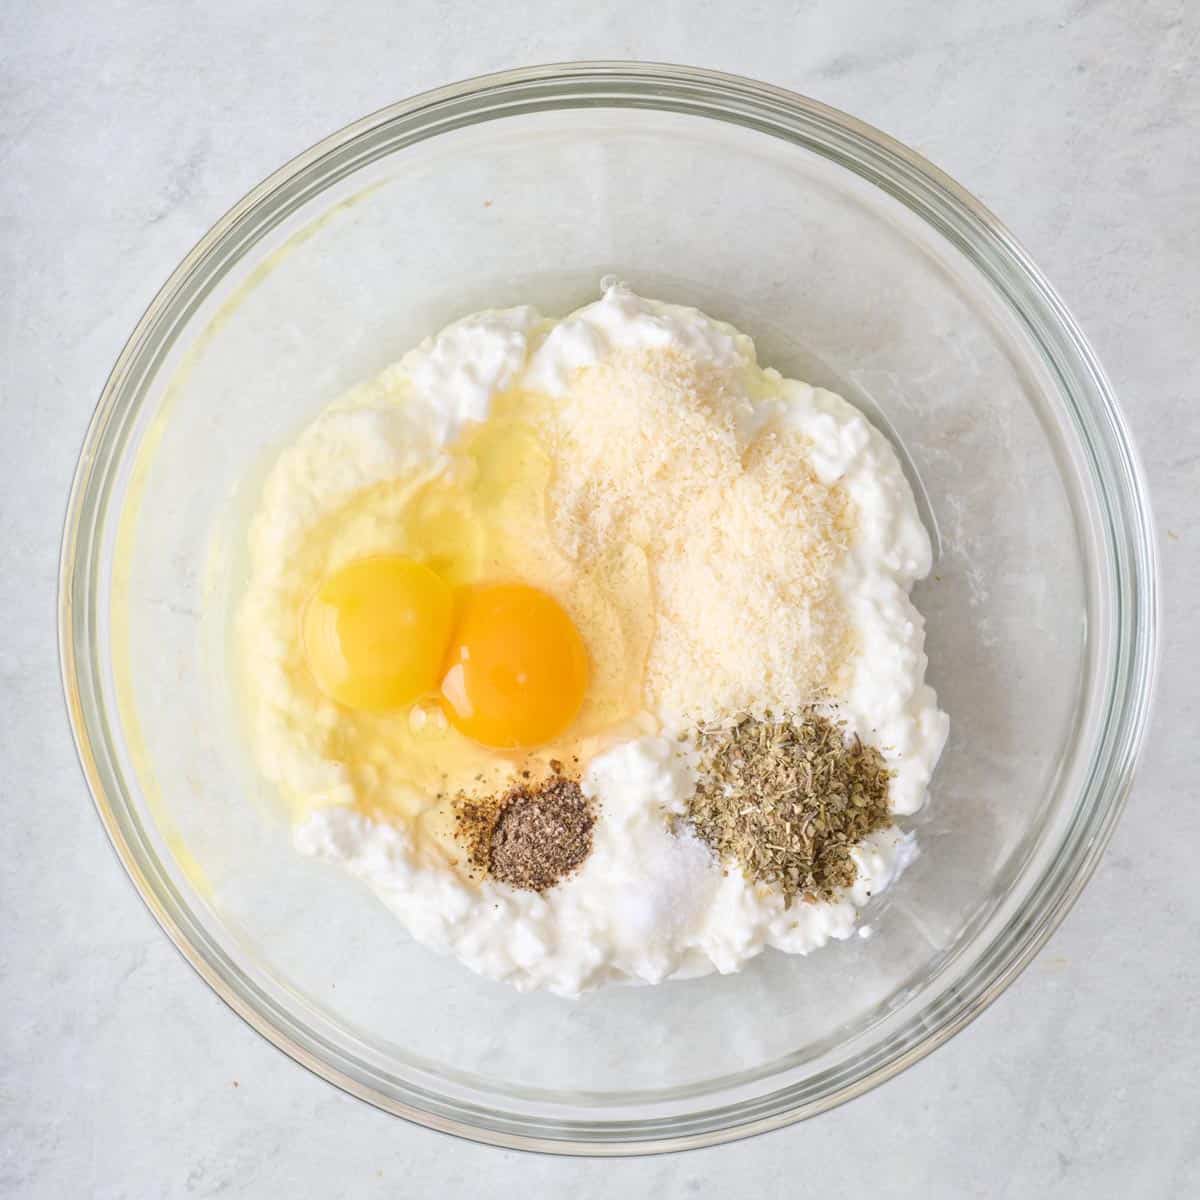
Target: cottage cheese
649,903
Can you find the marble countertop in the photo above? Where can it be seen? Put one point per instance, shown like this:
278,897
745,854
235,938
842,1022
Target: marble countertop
125,130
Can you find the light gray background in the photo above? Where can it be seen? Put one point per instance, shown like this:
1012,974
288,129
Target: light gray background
127,128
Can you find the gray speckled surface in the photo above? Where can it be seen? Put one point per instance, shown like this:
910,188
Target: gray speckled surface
125,130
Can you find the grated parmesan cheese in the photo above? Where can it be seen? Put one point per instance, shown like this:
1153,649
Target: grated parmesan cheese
744,541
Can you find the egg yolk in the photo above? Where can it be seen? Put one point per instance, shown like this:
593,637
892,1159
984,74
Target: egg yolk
375,632
516,670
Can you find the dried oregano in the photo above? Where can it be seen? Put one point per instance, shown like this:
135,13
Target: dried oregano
788,800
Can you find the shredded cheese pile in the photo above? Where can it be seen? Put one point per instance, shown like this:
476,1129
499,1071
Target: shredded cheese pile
743,540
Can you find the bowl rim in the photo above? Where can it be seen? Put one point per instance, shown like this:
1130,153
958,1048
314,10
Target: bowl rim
888,164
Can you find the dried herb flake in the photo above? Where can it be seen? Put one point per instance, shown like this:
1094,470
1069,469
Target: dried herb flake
788,800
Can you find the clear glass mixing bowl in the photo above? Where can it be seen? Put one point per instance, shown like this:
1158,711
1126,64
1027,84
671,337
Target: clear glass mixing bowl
855,264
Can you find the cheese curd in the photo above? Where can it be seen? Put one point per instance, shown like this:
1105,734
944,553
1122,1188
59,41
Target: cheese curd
649,903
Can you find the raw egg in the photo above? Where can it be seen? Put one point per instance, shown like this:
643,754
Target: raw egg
376,631
517,669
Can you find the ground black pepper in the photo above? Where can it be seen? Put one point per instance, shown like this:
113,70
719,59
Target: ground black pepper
531,836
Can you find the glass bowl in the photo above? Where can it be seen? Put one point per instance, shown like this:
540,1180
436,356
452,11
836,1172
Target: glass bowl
856,265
